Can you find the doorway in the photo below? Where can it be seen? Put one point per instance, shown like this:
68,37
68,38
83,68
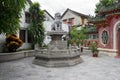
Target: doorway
118,41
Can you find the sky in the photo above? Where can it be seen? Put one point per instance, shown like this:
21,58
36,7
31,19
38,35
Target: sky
82,6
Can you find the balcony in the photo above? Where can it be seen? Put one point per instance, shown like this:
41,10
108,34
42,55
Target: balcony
91,29
97,19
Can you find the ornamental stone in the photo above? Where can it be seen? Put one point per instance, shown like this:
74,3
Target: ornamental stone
58,54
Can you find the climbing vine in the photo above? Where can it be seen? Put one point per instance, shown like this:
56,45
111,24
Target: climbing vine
36,28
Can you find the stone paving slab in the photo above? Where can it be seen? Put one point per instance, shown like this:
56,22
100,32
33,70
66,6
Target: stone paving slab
101,68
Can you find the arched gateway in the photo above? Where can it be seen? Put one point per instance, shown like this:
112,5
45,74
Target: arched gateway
116,38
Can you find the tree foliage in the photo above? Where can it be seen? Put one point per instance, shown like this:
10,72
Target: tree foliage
78,36
36,28
82,35
74,35
10,12
103,3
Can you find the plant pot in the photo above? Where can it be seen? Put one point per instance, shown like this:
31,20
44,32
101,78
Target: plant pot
81,49
95,54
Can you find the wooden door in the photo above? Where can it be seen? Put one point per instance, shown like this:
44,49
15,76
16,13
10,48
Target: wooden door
22,35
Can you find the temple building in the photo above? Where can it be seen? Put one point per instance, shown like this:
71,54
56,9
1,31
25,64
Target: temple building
107,21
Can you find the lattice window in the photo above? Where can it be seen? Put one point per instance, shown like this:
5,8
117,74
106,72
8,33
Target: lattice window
105,37
27,17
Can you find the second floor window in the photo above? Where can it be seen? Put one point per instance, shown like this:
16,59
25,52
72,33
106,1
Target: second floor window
71,20
27,17
65,21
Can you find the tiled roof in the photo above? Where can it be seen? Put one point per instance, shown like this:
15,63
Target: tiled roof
77,13
49,14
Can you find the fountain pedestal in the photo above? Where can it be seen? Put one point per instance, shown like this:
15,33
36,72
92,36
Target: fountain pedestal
57,54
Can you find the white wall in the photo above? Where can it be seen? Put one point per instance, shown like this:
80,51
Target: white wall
2,40
48,17
47,25
22,19
24,25
69,15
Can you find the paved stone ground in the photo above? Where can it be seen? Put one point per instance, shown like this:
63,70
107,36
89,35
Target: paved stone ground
101,68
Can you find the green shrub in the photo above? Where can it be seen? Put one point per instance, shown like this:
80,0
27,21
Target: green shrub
13,43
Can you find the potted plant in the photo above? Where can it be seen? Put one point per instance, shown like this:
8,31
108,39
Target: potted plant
94,49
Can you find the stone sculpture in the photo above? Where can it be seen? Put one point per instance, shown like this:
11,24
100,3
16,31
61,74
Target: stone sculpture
57,54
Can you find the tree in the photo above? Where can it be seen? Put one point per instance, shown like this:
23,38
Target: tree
103,3
78,36
10,13
74,35
36,28
82,35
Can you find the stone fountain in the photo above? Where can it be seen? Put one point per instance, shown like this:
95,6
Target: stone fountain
57,54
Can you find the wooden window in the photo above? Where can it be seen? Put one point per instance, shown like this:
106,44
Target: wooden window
71,20
27,17
22,35
65,21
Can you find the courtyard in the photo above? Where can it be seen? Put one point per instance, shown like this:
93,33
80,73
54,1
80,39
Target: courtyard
100,68
30,34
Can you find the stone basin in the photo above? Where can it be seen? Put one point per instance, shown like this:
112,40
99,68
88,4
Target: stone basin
57,58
